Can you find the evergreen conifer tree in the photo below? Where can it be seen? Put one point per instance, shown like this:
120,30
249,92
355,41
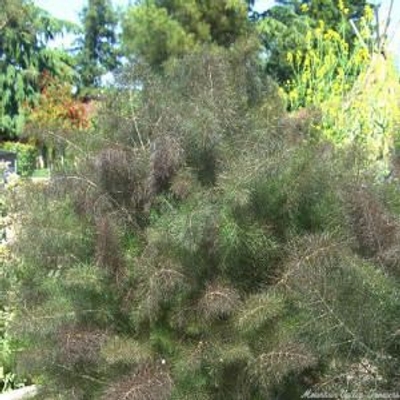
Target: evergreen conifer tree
156,30
24,56
98,53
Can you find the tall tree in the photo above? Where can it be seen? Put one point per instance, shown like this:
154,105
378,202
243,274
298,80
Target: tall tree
98,54
329,11
158,29
24,33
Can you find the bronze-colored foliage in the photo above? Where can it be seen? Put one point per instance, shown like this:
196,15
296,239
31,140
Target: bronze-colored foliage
149,383
108,252
390,258
300,126
195,232
126,351
165,160
219,302
375,229
183,184
120,175
164,283
112,179
79,345
272,367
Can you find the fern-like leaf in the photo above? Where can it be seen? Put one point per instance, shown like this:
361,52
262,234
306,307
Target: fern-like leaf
146,384
259,310
272,367
219,302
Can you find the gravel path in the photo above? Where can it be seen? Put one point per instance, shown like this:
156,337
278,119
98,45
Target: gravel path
20,394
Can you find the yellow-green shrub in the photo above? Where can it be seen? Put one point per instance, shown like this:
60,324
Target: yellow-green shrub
356,88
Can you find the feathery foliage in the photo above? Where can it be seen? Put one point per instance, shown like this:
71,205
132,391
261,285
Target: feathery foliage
201,248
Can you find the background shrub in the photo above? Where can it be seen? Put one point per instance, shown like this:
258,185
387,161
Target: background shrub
26,156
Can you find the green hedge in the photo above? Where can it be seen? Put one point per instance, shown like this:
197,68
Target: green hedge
26,156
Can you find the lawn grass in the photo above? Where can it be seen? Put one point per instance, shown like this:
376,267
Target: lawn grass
41,173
